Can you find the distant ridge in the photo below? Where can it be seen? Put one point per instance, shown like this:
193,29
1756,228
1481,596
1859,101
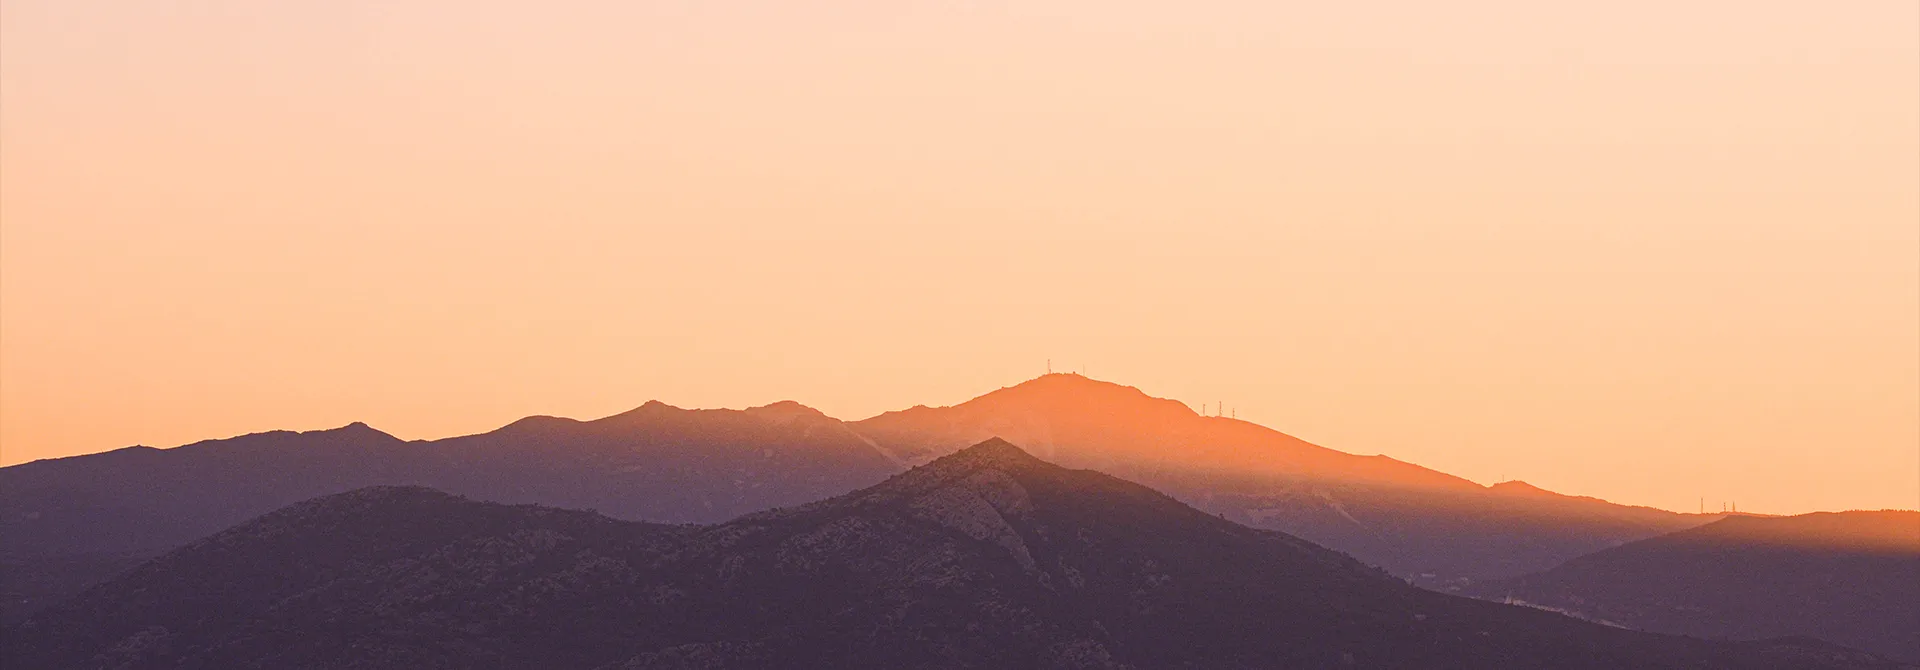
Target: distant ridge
1425,525
82,519
72,522
987,557
1079,420
1847,577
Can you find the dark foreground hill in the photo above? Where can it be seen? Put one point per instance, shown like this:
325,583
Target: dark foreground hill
986,558
1849,577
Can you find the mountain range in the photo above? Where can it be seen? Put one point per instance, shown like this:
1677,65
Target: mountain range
73,522
987,557
1847,577
1437,529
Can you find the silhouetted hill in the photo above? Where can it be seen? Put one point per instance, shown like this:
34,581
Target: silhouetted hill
663,463
1850,577
1108,426
1438,529
986,558
71,522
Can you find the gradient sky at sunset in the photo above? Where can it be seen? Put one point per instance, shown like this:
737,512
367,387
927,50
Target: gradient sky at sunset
1646,251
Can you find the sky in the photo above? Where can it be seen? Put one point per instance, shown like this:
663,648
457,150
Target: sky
1648,251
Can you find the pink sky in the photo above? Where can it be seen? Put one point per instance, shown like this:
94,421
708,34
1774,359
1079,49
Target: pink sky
1647,251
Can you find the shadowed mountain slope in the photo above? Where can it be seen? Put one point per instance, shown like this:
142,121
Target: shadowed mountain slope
1848,577
985,558
1436,528
663,463
73,521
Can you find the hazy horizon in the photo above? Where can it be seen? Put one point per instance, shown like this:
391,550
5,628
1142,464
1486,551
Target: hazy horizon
1204,408
1638,251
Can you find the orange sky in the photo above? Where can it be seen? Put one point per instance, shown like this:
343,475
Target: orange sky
1648,251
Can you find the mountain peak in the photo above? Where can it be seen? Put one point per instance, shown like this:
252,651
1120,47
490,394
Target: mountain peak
993,451
1517,487
652,409
994,454
355,430
1077,421
785,411
1061,395
1075,383
1067,394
